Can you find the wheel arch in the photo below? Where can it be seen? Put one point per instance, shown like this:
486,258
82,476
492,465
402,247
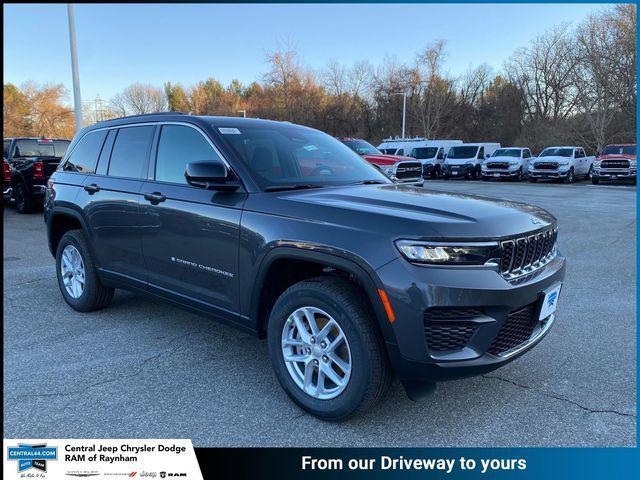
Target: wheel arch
364,276
59,221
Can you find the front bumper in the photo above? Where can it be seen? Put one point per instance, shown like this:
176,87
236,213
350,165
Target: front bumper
488,173
489,303
548,174
614,173
457,171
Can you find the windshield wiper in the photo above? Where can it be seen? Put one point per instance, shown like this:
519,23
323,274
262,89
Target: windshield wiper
369,182
295,186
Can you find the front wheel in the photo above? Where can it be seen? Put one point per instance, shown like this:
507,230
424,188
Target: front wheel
325,349
519,176
77,278
569,177
589,173
533,180
595,180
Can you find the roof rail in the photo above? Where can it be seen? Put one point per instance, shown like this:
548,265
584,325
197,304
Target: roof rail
145,115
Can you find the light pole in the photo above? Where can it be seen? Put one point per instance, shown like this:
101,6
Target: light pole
77,101
243,112
404,110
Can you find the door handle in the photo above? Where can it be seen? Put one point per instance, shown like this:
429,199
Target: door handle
93,188
155,197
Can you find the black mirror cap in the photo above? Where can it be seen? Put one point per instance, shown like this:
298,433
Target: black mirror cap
210,174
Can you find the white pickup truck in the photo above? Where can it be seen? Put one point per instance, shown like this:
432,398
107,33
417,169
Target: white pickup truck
512,162
561,163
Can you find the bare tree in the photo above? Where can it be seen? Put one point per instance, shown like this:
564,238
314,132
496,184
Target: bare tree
545,72
433,92
138,99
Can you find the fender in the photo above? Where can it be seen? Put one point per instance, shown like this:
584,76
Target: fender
358,268
69,212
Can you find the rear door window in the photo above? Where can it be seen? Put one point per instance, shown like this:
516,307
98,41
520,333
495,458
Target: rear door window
84,156
130,154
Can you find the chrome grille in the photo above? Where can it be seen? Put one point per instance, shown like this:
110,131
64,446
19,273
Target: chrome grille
526,254
408,170
618,163
498,165
545,166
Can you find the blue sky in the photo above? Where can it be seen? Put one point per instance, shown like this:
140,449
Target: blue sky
122,44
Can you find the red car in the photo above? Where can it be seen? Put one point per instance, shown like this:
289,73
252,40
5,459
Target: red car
616,162
396,167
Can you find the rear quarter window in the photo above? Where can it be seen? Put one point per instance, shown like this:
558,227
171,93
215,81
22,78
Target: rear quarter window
84,156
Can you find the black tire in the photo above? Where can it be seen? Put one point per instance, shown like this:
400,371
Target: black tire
435,174
519,176
595,180
570,176
371,372
533,180
95,295
634,181
589,173
23,199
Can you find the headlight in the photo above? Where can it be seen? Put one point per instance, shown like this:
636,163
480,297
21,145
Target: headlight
564,163
513,163
596,163
633,163
436,253
387,170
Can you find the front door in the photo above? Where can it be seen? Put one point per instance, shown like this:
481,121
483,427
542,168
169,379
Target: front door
191,235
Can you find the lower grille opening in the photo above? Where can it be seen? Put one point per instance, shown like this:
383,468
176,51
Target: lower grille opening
448,337
448,329
515,330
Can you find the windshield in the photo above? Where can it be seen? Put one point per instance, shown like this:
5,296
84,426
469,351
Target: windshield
389,151
619,150
41,148
361,147
557,152
463,152
290,155
424,152
507,152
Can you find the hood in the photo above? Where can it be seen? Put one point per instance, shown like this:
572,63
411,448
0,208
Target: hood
626,156
502,159
400,211
384,159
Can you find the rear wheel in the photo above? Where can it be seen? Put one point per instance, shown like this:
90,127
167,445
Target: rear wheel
23,199
77,277
325,349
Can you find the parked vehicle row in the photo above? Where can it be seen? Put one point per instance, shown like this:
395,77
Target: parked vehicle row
397,158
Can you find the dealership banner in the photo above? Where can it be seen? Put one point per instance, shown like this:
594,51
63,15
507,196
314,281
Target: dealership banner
63,458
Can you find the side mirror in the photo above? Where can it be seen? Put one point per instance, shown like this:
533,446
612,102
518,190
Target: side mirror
210,174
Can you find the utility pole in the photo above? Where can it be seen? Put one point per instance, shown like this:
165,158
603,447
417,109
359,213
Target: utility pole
404,111
77,101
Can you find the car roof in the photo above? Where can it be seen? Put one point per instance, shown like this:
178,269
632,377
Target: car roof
36,138
216,121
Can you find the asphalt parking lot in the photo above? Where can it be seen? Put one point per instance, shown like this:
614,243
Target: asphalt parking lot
143,369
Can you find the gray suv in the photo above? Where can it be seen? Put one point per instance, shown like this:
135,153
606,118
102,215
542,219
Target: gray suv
283,231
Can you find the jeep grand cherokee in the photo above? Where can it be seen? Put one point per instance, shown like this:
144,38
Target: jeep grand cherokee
284,231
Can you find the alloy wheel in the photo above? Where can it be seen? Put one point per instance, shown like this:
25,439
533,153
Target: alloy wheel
316,353
72,271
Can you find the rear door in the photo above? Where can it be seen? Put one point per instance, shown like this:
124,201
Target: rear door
191,235
111,199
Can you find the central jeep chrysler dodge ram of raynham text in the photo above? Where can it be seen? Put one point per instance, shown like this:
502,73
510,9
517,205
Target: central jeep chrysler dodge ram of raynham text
286,232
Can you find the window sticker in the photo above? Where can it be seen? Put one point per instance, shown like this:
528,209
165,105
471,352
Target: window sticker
229,131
